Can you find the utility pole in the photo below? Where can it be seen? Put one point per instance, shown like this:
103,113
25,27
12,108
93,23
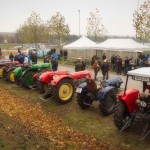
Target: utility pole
79,22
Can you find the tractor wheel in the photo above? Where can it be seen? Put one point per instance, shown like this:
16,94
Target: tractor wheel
81,100
63,91
120,115
107,105
11,77
1,72
27,79
43,87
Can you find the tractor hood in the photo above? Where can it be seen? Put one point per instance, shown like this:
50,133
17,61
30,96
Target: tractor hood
43,65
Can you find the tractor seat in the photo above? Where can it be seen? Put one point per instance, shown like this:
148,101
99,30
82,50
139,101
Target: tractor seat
91,85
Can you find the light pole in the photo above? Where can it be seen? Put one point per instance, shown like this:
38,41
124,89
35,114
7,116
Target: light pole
137,6
79,22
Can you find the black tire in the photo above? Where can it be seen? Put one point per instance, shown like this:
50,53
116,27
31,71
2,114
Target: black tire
107,105
81,100
63,91
120,115
43,87
27,79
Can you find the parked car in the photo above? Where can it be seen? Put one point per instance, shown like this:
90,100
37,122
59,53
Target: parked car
32,50
42,53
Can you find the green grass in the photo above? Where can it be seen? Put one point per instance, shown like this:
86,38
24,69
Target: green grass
89,120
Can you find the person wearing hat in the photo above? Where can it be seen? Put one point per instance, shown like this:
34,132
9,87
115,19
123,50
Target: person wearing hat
79,65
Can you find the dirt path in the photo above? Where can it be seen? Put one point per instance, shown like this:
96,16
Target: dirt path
37,121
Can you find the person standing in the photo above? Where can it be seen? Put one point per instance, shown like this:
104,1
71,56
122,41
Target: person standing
79,65
54,64
65,55
0,52
96,68
105,69
11,57
126,65
104,56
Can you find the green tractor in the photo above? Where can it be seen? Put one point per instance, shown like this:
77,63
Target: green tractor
24,75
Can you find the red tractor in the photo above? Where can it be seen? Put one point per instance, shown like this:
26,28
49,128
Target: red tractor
132,106
41,81
62,87
5,67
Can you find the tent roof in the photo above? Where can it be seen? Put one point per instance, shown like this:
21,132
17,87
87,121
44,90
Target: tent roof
82,43
121,44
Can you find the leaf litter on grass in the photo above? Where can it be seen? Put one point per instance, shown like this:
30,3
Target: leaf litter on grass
49,125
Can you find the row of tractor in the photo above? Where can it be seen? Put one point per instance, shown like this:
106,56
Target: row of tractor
128,106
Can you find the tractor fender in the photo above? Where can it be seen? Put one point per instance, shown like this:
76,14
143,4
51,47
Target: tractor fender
17,71
101,95
9,69
57,79
129,99
47,76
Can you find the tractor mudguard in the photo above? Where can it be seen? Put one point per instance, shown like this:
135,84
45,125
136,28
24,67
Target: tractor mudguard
47,76
17,71
130,98
101,95
59,78
81,74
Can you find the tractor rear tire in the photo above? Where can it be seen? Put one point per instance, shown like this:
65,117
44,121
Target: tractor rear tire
27,79
80,100
107,105
120,115
63,91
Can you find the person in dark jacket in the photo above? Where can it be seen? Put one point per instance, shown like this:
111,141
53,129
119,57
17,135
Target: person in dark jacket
54,64
105,68
11,57
79,65
126,65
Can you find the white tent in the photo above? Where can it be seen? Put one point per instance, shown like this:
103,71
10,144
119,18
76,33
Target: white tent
81,47
122,47
82,43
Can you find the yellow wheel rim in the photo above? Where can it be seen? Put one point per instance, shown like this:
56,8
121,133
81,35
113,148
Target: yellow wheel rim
65,91
12,77
1,72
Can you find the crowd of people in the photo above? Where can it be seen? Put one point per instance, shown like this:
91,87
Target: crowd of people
116,63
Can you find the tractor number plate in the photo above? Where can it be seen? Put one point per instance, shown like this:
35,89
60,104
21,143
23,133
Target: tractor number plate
78,90
139,78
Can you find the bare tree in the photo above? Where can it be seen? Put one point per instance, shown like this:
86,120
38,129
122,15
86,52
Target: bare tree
141,21
94,25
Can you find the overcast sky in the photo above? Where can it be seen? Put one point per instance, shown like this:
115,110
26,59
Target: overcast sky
117,15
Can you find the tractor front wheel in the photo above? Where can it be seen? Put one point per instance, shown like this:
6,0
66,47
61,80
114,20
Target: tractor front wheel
63,91
120,115
107,105
11,77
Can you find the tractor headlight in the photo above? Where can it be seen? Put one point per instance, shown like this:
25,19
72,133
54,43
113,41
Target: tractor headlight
143,104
